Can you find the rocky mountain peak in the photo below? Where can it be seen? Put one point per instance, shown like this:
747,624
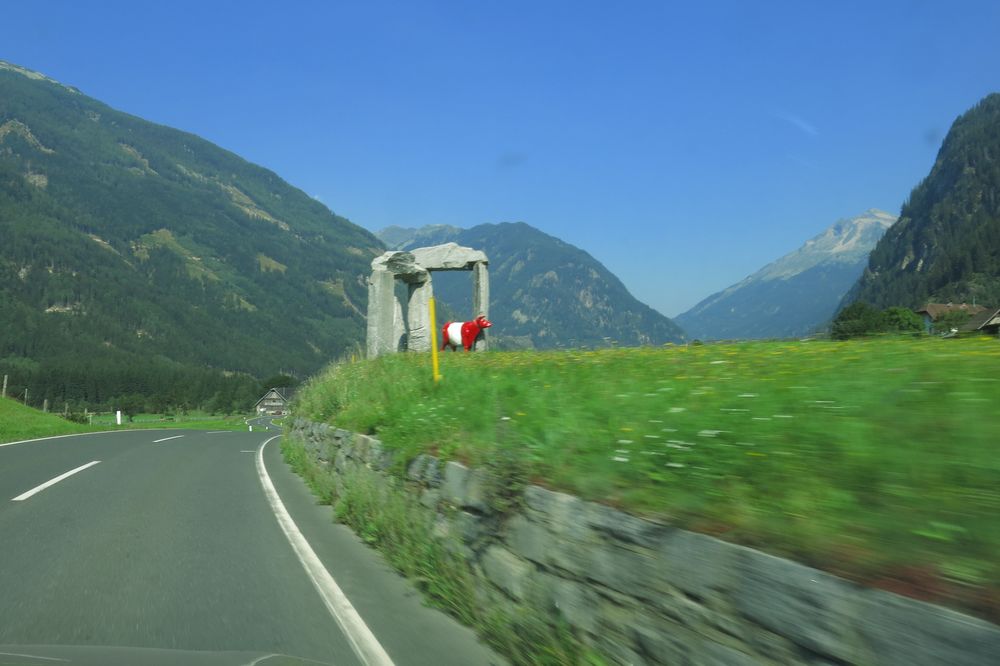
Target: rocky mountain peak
796,293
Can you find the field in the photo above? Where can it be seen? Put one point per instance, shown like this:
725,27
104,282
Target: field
191,420
18,422
874,459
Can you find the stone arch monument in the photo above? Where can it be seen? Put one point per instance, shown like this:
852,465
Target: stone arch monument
387,331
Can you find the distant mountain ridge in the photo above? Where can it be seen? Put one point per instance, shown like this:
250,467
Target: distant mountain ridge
796,293
131,244
946,245
545,293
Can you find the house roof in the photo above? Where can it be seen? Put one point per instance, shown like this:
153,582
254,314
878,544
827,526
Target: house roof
284,392
935,310
988,317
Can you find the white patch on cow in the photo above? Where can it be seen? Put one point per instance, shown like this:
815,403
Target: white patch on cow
455,334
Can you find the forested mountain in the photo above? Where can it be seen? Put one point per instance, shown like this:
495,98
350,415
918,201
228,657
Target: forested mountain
946,244
795,294
545,293
139,259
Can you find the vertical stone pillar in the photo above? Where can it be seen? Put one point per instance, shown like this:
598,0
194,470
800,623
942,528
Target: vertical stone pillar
398,341
481,299
381,313
418,316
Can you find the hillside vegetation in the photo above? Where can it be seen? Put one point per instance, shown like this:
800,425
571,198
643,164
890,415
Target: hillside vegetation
946,244
874,459
129,248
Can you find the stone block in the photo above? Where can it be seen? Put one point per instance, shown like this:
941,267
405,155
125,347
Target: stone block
621,569
340,461
399,338
381,296
481,301
469,527
507,571
566,515
415,470
430,498
448,256
697,564
717,654
577,603
432,472
371,452
418,317
771,647
620,651
475,491
399,263
662,646
623,527
811,608
442,528
456,477
528,539
912,633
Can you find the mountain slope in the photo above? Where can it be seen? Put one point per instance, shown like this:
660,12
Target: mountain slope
796,293
133,243
946,245
545,293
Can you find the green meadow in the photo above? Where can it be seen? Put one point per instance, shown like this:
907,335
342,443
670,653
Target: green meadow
876,459
190,420
18,422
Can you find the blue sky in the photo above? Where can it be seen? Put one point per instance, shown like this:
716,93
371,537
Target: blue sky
684,145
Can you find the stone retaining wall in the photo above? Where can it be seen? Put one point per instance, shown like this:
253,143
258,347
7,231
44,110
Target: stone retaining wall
643,592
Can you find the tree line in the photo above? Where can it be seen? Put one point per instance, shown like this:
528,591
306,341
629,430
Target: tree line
132,385
862,319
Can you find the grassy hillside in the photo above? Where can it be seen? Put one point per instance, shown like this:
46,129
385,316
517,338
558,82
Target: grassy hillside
18,422
874,459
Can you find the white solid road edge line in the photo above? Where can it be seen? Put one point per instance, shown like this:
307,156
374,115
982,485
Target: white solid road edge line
157,441
74,434
361,638
30,656
52,482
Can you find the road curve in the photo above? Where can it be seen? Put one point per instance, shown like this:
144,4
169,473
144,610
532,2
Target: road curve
165,539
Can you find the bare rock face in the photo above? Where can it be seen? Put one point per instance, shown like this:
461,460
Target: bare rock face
449,257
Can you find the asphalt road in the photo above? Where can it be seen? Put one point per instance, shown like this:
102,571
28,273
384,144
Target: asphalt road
174,544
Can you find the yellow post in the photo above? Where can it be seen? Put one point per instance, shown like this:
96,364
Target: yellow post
434,342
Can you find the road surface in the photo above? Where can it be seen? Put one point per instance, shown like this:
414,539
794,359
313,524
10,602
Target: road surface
167,539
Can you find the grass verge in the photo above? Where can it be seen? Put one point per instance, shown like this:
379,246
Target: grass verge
18,422
874,459
392,521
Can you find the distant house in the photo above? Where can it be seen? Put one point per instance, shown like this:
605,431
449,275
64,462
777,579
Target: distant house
987,321
934,311
274,402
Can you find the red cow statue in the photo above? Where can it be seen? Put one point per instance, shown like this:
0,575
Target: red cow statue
463,333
